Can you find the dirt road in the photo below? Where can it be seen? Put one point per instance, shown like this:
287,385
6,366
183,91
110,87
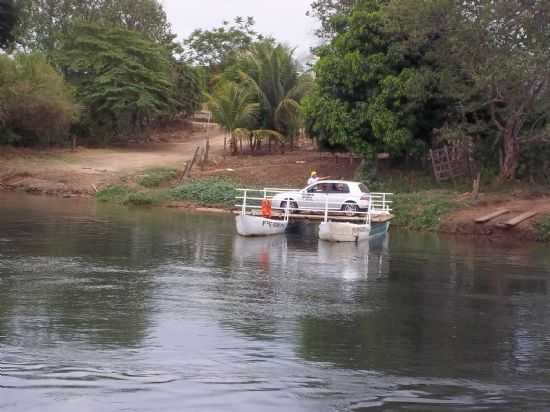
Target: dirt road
80,172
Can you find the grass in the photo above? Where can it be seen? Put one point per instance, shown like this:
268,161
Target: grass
211,191
424,210
113,194
154,178
129,197
145,198
542,229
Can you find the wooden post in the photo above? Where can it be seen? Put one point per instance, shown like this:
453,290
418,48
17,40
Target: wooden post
206,152
188,172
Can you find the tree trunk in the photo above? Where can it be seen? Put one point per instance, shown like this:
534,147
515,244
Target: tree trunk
511,154
225,145
233,143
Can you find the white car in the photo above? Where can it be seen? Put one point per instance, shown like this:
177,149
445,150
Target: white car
349,197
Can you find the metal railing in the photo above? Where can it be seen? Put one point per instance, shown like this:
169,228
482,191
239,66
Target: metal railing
250,202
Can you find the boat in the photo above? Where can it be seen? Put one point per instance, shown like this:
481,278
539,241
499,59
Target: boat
270,211
249,225
344,231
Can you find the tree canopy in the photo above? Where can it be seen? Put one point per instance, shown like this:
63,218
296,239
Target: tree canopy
395,74
218,48
36,106
375,90
44,22
273,73
123,79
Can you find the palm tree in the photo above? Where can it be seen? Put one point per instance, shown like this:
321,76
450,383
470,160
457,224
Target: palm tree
273,73
233,107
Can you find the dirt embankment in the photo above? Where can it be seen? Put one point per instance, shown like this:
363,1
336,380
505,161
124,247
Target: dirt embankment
463,221
84,171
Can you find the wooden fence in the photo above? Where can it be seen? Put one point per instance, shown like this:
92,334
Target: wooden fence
452,161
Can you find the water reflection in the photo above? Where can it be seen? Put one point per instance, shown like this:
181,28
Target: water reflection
103,308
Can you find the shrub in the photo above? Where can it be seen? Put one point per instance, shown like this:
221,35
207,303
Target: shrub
155,177
209,191
37,105
423,210
542,229
140,199
112,194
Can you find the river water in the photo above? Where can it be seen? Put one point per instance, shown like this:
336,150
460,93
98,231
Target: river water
110,309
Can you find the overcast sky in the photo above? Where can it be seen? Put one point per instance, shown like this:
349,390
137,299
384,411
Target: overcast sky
285,20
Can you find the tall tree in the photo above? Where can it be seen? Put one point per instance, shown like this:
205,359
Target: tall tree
274,74
123,79
499,51
217,48
233,107
45,22
503,47
331,13
375,89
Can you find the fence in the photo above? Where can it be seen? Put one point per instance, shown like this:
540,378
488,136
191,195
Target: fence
451,161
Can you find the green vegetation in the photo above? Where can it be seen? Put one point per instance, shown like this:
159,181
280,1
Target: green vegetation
399,76
208,191
212,191
37,106
424,210
542,229
218,48
145,198
120,58
113,194
154,178
44,22
260,95
124,79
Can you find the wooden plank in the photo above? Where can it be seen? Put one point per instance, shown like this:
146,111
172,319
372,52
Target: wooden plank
491,216
521,218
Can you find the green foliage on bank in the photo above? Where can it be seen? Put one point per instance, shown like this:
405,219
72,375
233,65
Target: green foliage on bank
144,199
212,191
423,210
542,229
156,177
125,195
113,194
37,106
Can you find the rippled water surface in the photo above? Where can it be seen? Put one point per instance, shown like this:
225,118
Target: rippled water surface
105,309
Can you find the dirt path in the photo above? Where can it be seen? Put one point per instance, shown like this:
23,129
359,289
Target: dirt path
463,221
66,172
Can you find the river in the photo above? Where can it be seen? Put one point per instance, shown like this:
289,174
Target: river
111,309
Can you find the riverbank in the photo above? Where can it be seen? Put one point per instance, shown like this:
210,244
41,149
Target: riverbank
442,209
150,175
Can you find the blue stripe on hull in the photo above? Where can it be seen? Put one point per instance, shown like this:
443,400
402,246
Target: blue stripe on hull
379,229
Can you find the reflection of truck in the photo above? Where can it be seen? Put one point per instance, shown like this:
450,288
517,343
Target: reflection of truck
341,195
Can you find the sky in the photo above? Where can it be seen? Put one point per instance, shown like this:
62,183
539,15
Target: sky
285,20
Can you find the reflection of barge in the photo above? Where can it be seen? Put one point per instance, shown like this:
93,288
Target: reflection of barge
257,217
